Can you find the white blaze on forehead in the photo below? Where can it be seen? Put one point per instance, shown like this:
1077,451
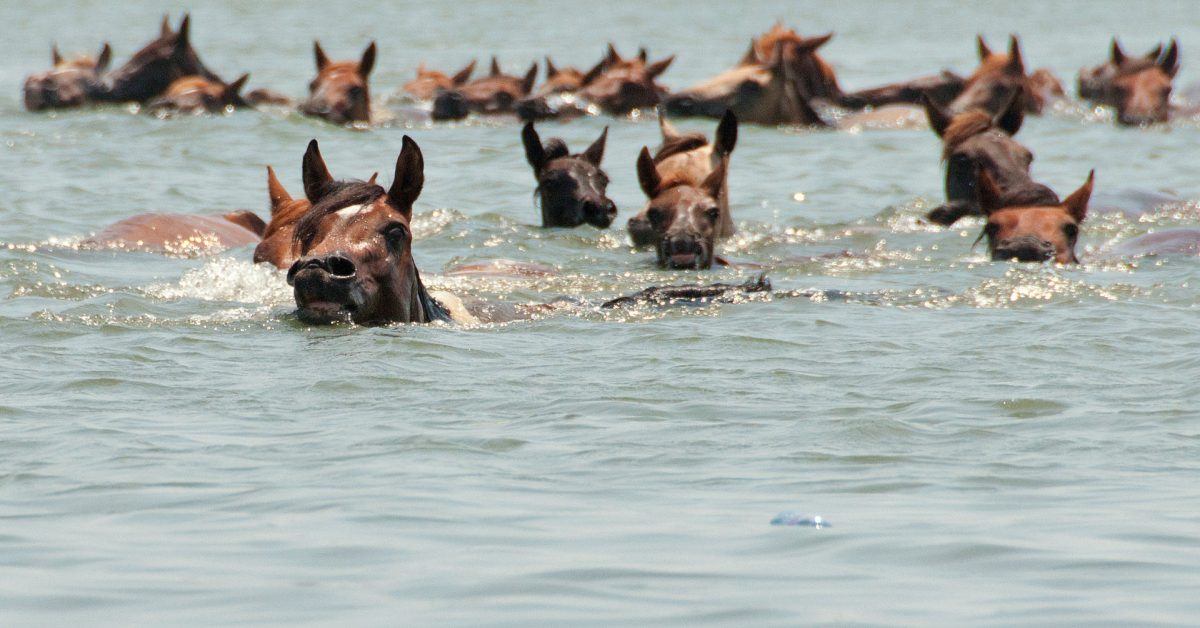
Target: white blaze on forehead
346,213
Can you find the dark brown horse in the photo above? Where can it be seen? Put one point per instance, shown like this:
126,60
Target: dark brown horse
339,93
572,189
196,95
999,75
1033,229
429,82
152,69
355,248
689,158
493,94
624,85
761,92
1096,83
68,83
556,97
1139,88
686,212
975,141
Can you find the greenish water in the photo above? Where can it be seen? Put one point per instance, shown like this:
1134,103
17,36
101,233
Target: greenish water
992,443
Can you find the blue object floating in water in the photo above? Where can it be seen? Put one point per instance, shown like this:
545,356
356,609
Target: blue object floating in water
800,520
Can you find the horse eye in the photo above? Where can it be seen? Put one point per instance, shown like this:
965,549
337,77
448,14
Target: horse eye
749,87
656,215
713,213
1071,229
355,91
396,233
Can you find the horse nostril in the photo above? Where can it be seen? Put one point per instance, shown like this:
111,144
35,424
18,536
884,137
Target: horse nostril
339,266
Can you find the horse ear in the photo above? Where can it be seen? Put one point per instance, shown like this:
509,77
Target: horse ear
984,51
595,153
55,56
315,173
165,28
275,190
1169,62
989,193
319,53
593,73
185,28
777,53
495,67
611,56
1016,64
939,119
727,132
534,153
715,181
104,58
551,71
658,67
409,179
751,56
811,44
1077,203
1012,115
374,177
643,55
648,173
367,62
1117,56
665,127
232,89
530,79
464,74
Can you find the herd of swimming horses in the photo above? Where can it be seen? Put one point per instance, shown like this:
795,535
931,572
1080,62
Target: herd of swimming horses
346,244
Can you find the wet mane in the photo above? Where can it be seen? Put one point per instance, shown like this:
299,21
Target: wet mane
680,144
964,126
335,195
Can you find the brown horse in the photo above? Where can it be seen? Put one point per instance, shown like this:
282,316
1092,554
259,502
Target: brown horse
556,97
999,76
1140,91
1033,230
196,95
941,88
180,234
355,248
339,93
689,158
429,82
815,78
624,85
68,83
1096,83
152,69
685,211
493,94
761,92
975,141
572,189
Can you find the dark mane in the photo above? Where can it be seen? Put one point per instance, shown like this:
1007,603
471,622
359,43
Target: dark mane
680,144
430,307
334,196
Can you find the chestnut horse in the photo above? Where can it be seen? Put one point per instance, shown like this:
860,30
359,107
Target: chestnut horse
974,141
756,91
429,82
572,189
691,159
339,93
556,97
624,85
180,234
152,69
1033,230
68,83
496,93
686,212
999,76
196,95
1139,88
1096,83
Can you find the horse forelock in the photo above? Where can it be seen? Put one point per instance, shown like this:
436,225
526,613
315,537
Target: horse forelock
336,195
963,127
681,144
